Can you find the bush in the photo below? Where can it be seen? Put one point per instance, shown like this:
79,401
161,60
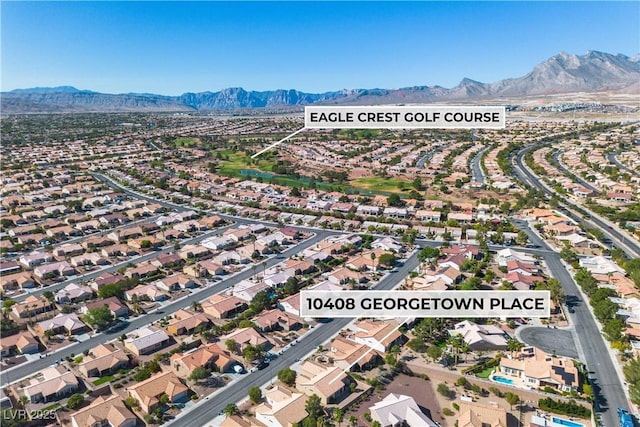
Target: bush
564,408
75,401
495,391
417,345
479,367
448,412
456,406
462,381
444,390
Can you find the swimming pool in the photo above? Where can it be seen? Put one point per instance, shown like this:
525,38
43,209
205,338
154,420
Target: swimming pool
567,423
502,380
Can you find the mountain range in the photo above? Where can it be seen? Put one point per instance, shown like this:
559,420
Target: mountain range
562,73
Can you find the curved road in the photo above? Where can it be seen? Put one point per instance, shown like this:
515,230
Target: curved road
614,160
589,342
476,169
558,163
621,239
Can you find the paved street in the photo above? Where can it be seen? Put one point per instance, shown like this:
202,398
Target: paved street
549,340
137,260
589,343
558,163
476,168
621,240
614,159
23,370
205,412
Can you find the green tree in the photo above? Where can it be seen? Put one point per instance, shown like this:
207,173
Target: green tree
314,406
260,301
255,394
132,403
75,401
434,352
198,373
568,255
522,238
427,253
113,290
231,409
231,345
555,289
588,391
253,352
387,259
287,376
417,183
164,399
457,344
514,345
338,416
444,390
512,399
417,345
48,295
98,317
394,200
632,375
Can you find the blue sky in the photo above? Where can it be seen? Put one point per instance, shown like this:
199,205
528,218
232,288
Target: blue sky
175,47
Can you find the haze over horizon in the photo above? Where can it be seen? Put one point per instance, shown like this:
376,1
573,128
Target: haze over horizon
171,48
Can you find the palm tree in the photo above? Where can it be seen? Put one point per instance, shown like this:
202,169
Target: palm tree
373,258
338,416
457,343
353,420
231,409
196,306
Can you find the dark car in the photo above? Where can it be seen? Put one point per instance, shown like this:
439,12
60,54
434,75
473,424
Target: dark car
262,365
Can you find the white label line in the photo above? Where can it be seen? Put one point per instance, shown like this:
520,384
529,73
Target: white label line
277,143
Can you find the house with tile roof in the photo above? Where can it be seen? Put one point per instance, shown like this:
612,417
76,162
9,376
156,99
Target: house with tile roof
104,359
105,410
148,392
62,323
473,414
281,407
53,383
398,409
210,356
537,369
221,306
146,340
330,383
185,322
480,337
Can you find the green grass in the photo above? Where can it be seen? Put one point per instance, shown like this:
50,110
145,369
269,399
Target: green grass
51,407
485,373
236,163
103,380
390,185
186,142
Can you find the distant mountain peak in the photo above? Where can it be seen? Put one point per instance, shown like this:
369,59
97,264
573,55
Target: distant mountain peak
561,73
46,89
